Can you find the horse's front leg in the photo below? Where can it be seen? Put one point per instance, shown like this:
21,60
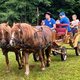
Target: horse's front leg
7,62
27,64
42,60
17,59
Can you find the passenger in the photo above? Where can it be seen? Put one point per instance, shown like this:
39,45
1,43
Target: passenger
64,20
50,22
74,24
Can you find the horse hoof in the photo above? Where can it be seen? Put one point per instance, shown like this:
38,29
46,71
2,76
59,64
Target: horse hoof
20,68
43,69
7,72
27,73
22,65
47,65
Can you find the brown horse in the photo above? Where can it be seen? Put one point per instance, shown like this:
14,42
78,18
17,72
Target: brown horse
34,40
5,34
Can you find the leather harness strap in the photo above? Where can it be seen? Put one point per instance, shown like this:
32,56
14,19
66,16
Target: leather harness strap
35,36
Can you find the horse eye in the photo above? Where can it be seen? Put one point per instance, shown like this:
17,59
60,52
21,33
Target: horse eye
16,33
6,32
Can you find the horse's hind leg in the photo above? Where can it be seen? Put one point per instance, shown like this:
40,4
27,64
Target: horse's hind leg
17,59
42,60
7,62
48,53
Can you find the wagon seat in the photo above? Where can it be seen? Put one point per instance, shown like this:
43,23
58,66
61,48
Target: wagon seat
60,32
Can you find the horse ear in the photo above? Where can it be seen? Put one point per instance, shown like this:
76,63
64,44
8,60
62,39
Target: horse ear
19,24
14,23
7,23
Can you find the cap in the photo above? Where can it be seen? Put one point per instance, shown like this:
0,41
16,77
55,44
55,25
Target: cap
62,13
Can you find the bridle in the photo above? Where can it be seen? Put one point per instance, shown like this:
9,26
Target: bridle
17,40
3,37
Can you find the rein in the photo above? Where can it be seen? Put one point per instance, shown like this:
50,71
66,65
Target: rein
37,47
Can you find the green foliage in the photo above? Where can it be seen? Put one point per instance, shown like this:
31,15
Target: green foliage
26,10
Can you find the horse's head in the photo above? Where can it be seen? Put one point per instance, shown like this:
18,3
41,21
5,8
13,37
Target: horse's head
4,34
15,34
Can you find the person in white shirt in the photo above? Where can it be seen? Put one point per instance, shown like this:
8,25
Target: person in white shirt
74,24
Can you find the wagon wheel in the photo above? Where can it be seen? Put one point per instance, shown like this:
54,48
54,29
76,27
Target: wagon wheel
77,49
63,56
36,57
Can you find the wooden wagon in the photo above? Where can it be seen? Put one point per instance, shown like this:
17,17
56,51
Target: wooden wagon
60,37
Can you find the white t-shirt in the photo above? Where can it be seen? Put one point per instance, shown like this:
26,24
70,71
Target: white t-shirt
73,22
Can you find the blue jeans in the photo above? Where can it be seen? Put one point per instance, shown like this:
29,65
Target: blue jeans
73,30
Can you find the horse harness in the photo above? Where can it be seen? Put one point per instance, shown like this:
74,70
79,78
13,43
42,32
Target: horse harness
43,35
20,43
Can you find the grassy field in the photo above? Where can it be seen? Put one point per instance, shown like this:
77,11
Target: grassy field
58,70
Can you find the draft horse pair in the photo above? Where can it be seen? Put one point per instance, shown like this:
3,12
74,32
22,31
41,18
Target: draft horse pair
5,35
29,39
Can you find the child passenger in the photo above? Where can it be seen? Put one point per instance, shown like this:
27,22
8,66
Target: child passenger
74,24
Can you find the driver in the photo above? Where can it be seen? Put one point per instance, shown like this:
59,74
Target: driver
50,22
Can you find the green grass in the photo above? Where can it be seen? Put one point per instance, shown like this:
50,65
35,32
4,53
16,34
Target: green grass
58,70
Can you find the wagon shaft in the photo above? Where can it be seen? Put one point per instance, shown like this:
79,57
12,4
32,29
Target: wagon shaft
57,51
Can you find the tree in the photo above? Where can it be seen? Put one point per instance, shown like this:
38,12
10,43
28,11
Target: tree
26,10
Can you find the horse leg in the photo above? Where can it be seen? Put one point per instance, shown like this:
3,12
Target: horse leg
17,59
26,63
22,59
43,57
19,54
7,62
42,60
48,53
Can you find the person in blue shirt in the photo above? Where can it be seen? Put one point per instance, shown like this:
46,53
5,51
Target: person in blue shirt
64,20
50,22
